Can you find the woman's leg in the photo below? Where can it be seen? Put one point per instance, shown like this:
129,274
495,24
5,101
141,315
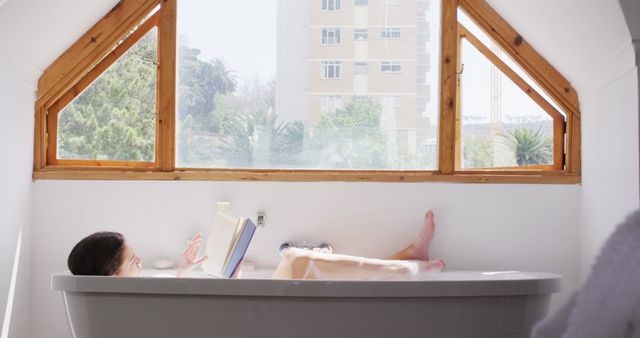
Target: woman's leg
419,249
305,264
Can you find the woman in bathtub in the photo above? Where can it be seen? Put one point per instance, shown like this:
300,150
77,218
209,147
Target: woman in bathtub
107,253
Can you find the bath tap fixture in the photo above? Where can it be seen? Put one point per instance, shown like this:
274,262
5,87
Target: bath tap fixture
261,218
284,246
322,247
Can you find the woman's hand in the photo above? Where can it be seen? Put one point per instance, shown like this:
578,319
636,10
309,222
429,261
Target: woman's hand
188,261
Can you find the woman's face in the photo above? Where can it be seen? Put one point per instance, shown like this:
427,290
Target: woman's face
131,264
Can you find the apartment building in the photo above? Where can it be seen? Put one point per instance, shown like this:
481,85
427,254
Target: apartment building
356,49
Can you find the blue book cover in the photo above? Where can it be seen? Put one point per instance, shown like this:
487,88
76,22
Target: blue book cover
240,248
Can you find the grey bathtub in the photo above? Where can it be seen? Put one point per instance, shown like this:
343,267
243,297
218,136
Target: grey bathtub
451,304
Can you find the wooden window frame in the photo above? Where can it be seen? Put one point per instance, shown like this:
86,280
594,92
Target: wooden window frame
85,60
110,59
559,126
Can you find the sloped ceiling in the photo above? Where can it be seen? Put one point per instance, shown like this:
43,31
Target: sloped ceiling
584,39
33,33
631,10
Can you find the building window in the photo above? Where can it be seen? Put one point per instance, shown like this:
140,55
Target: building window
330,36
361,2
360,34
390,101
331,69
390,67
330,103
360,68
331,5
360,98
390,33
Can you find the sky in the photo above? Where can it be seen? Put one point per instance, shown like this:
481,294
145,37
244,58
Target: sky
241,32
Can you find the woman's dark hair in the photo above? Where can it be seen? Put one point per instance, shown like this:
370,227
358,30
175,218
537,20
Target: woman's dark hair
97,254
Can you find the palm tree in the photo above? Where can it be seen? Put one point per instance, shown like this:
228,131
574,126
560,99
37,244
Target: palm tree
225,79
531,147
260,139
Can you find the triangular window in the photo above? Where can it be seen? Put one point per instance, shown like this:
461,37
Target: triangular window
505,119
110,115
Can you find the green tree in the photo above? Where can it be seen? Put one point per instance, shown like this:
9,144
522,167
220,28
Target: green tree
530,147
350,138
260,139
252,134
478,152
199,82
114,118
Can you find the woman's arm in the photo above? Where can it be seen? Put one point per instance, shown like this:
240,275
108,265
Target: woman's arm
189,260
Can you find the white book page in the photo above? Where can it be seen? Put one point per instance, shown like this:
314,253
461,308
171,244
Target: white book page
219,243
234,243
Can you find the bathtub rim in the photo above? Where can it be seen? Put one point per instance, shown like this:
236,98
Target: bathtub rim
538,284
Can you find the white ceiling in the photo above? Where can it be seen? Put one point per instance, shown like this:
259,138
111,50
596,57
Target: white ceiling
579,37
36,32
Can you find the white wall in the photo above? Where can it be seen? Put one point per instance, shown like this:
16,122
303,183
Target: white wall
589,42
495,227
610,157
528,227
16,149
25,50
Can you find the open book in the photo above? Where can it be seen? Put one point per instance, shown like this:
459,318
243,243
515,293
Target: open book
228,241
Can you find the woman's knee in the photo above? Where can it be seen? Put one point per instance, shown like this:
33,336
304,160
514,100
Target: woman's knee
299,261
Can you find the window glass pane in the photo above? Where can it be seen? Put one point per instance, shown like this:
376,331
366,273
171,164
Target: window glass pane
360,34
330,36
259,88
331,5
501,125
361,68
390,33
464,19
114,119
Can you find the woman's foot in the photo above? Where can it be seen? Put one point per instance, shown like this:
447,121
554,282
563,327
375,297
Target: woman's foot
436,265
419,249
422,244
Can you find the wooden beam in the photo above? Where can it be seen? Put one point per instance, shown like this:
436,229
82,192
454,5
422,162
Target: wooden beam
40,139
558,143
515,177
574,148
104,164
510,73
448,84
90,48
525,55
558,118
52,134
108,61
459,152
166,131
